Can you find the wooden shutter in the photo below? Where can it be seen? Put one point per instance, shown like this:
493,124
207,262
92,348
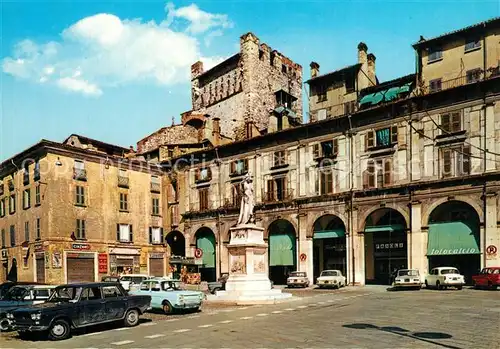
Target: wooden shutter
370,139
270,189
161,236
118,232
131,233
245,165
329,182
335,149
387,172
316,151
456,122
209,173
197,175
394,134
445,122
371,174
446,162
322,182
150,235
466,160
233,166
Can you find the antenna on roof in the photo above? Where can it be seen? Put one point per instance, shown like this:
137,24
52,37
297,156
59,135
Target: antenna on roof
173,120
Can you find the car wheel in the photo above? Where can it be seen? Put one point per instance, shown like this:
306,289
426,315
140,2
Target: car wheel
474,285
131,318
214,291
438,285
459,287
5,325
167,307
426,284
59,330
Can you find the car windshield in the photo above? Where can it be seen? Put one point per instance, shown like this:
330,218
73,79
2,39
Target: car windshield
133,279
408,273
449,271
329,273
110,279
65,294
170,285
298,274
16,294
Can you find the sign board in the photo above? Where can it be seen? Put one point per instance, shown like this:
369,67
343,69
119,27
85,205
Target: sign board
56,260
103,262
198,253
47,260
5,255
80,246
303,257
156,255
491,249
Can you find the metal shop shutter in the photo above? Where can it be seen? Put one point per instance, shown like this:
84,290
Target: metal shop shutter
80,269
156,267
40,270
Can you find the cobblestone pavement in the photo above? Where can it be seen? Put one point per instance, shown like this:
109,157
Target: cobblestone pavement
354,317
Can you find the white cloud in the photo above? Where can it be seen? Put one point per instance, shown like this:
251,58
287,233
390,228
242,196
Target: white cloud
103,50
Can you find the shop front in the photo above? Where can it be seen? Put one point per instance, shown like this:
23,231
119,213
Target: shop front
81,264
157,264
40,267
282,251
186,269
124,261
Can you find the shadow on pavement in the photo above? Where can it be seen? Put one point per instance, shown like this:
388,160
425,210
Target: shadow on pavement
421,336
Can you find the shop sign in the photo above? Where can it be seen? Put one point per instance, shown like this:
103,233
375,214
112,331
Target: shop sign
47,260
121,250
303,257
80,246
5,255
453,251
56,260
491,250
103,262
156,255
80,255
389,246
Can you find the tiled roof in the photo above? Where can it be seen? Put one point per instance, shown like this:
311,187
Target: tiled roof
349,67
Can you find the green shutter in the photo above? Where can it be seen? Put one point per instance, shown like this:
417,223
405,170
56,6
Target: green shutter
207,244
453,238
281,249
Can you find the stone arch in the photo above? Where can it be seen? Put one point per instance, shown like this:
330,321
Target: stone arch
177,243
472,203
195,229
318,215
288,218
368,213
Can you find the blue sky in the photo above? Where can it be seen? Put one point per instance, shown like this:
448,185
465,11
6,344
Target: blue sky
118,70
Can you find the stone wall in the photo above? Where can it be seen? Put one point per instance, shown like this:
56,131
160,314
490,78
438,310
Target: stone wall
175,134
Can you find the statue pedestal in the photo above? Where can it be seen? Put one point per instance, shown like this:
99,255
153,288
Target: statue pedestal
248,269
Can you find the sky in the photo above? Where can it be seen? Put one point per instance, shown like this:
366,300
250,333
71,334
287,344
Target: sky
119,70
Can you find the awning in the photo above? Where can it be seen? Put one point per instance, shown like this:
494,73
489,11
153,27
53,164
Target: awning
383,228
385,95
452,238
281,249
328,234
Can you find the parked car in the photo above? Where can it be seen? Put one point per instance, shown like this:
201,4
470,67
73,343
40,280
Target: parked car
331,278
219,285
297,279
407,278
79,305
21,296
444,277
110,278
130,281
487,278
167,295
6,286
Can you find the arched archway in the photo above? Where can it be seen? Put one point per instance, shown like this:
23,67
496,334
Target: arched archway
205,240
177,243
12,276
282,250
454,238
385,245
329,245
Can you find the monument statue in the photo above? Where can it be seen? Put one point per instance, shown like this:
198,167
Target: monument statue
247,201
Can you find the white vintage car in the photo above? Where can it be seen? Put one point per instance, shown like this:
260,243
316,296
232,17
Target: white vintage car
331,278
407,278
444,277
297,279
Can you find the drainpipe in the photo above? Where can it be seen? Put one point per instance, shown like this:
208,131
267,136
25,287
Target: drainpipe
221,200
483,236
351,185
410,188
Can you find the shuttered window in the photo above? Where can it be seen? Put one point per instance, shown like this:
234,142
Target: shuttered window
451,122
203,196
466,160
26,231
124,233
370,139
387,172
155,235
80,229
123,202
447,163
80,195
326,181
156,207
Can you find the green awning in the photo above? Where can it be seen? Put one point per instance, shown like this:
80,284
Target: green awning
281,249
207,244
392,93
385,95
452,238
366,99
328,234
405,87
383,228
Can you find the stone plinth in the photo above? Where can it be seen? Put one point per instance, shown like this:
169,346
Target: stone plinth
248,269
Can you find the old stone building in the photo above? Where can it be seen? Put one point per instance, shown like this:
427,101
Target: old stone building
78,210
407,177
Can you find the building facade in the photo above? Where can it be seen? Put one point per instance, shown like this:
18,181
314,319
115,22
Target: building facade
79,210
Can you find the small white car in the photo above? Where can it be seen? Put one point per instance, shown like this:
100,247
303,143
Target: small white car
444,277
132,281
297,279
407,278
331,278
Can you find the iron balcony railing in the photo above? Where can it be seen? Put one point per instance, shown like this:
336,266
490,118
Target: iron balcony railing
80,174
155,187
123,181
277,195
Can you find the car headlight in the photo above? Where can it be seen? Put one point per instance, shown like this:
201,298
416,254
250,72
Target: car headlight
36,316
10,316
181,299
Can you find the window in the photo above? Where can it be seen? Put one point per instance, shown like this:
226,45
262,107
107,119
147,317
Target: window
124,233
26,198
12,236
473,75
385,137
451,123
326,180
37,195
236,194
26,231
12,204
155,184
378,173
326,149
3,237
38,229
36,174
239,167
123,202
472,44
173,190
321,92
349,107
79,172
284,99
279,158
455,161
276,189
80,196
261,55
80,229
203,197
26,174
435,85
203,174
283,68
122,179
145,286
271,58
2,207
111,292
435,54
155,235
156,206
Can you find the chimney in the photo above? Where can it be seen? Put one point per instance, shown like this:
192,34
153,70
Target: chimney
196,70
216,131
371,69
314,69
362,50
363,81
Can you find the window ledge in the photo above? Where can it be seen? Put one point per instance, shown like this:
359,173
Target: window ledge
124,211
473,49
38,204
125,242
26,208
80,239
435,60
277,167
80,205
156,215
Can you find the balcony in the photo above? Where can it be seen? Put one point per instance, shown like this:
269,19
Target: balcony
36,175
10,184
123,181
200,207
80,174
26,178
472,77
155,187
277,195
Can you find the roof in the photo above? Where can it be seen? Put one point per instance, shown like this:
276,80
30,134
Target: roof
490,22
85,139
89,284
335,72
231,59
387,84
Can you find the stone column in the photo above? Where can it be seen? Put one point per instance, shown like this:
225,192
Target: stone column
417,240
492,234
358,249
489,114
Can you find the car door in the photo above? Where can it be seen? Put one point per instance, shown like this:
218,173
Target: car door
92,306
431,280
115,302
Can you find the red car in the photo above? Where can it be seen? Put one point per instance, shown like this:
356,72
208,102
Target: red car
488,278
